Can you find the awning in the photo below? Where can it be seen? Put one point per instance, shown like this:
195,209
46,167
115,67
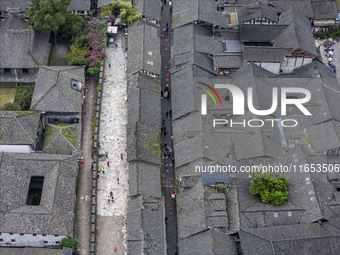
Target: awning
324,22
112,29
117,20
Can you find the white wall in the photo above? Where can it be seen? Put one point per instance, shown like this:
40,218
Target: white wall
271,67
290,63
17,240
16,148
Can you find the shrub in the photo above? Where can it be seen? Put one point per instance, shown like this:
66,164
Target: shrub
272,187
78,61
69,242
10,107
25,103
76,51
94,71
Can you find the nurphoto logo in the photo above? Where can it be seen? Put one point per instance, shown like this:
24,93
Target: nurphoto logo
239,104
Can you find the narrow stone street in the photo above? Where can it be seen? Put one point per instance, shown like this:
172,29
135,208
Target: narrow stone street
84,184
168,171
113,177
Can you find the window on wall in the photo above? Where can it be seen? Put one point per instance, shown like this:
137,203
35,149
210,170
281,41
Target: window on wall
35,190
7,70
24,70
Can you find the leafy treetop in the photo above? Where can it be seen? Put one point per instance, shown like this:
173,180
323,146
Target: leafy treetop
48,15
272,187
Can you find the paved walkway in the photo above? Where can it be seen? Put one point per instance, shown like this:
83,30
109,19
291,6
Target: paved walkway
84,185
168,171
111,216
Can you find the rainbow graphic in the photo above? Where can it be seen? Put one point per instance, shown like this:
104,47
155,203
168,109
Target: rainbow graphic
209,93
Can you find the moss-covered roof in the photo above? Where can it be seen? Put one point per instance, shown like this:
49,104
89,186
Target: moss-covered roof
61,138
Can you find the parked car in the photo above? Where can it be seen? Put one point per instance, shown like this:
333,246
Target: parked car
111,39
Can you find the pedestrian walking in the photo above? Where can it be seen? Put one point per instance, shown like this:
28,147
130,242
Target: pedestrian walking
164,123
108,163
111,193
167,76
162,94
115,249
109,64
170,113
106,154
162,129
165,132
168,96
82,162
113,200
84,112
167,114
165,145
162,45
108,199
121,156
117,180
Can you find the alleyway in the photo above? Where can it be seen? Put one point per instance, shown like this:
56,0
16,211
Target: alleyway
84,185
111,216
168,171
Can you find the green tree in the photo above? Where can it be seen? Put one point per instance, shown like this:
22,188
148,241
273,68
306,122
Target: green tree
129,15
48,15
11,107
272,187
69,242
78,61
76,51
74,25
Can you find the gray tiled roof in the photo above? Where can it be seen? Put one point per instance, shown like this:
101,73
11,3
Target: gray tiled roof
145,222
57,143
19,128
185,12
15,30
30,251
297,35
324,136
149,8
324,10
55,216
258,53
20,5
294,239
209,242
257,10
144,48
53,92
303,7
144,117
260,33
229,60
80,5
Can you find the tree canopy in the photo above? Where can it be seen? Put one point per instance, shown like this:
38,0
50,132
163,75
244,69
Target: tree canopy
48,15
124,10
272,187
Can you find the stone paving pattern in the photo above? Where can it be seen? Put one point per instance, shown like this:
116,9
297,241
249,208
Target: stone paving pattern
111,216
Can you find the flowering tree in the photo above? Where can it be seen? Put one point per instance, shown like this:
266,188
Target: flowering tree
95,34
